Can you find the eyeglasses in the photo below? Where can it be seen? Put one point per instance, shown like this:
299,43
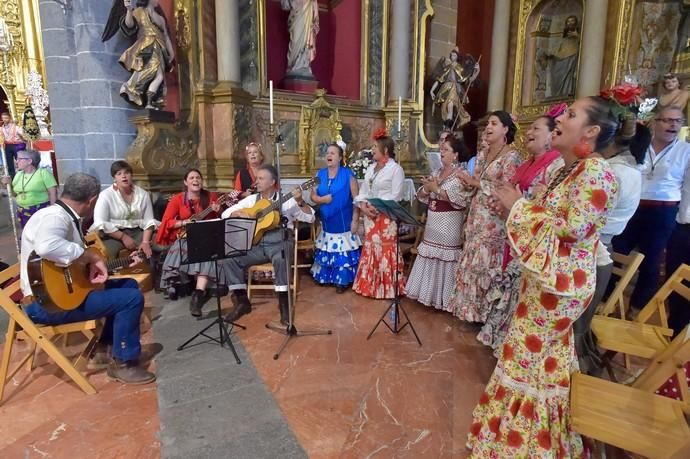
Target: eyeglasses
671,120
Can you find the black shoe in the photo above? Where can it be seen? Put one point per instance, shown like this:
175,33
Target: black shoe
197,302
341,288
242,306
171,293
284,307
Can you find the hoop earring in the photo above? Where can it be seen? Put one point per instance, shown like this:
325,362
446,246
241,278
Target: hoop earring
505,139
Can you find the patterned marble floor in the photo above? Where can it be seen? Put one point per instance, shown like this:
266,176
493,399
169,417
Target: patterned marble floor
341,394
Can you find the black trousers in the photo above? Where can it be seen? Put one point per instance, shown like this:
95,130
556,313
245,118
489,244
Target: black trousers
677,253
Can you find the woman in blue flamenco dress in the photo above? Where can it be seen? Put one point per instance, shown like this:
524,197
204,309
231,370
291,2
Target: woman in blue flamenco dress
338,245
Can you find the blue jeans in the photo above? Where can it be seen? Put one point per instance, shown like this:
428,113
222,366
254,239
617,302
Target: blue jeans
121,304
649,230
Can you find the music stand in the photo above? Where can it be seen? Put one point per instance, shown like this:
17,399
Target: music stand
213,240
396,212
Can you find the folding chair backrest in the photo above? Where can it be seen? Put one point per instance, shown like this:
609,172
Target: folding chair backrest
7,275
624,267
679,282
667,363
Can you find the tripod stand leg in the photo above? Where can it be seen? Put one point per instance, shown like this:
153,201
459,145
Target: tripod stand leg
202,332
409,322
382,319
225,334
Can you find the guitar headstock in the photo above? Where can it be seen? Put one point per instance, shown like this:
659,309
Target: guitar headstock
311,183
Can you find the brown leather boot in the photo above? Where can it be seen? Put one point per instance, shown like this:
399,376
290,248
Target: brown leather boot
129,373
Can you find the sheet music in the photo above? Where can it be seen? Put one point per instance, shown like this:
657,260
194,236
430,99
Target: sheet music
239,233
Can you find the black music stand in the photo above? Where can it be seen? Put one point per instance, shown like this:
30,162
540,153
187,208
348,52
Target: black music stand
213,240
396,212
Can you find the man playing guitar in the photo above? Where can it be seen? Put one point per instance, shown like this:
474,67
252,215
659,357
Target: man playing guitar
54,234
269,248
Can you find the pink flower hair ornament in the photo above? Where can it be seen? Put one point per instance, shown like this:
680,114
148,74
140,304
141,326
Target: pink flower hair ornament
556,110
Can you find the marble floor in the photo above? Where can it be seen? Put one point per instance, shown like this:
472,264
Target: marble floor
341,394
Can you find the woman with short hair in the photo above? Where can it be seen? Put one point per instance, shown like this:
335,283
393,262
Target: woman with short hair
124,214
34,187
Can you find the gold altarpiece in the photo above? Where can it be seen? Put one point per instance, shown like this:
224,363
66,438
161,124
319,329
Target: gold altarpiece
23,21
625,39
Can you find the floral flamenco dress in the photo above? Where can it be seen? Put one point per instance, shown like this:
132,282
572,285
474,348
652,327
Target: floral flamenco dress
525,408
337,250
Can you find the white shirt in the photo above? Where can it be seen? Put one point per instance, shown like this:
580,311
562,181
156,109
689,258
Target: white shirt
52,234
684,207
291,209
112,212
387,183
671,169
626,201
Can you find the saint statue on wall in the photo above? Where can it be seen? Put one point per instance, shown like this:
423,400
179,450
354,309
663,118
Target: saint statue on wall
303,24
562,62
150,56
453,76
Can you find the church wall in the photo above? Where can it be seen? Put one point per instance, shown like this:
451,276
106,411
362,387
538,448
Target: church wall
90,126
347,30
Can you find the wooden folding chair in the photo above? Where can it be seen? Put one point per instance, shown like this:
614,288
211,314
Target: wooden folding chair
41,337
648,333
267,268
624,267
304,245
411,248
634,418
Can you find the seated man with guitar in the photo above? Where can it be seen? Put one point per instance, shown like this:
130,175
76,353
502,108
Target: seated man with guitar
62,278
268,241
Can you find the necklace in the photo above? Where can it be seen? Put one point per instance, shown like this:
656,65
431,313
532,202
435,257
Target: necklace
562,174
489,163
373,177
22,193
659,157
128,204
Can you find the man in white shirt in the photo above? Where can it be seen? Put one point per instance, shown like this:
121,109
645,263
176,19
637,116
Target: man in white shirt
665,170
269,248
677,253
54,233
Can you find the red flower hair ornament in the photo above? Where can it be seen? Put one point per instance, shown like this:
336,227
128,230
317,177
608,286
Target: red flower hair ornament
556,110
380,134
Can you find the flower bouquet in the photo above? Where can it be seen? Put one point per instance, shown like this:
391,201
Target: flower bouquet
358,163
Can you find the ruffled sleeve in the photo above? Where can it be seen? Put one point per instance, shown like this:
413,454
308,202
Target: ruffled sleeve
553,237
167,233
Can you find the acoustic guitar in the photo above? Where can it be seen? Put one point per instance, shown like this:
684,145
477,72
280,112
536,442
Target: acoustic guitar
64,288
266,212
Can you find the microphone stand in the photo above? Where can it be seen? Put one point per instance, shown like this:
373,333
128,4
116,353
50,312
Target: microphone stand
289,330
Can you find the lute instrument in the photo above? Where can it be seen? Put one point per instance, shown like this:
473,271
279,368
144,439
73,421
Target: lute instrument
64,288
266,212
205,213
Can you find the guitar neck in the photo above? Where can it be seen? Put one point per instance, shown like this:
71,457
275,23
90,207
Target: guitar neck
204,213
275,205
118,263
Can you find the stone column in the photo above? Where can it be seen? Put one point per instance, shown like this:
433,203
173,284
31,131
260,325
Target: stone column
228,40
499,55
399,69
90,126
593,36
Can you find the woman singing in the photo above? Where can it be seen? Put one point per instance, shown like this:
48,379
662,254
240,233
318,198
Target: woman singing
338,246
245,178
379,261
179,212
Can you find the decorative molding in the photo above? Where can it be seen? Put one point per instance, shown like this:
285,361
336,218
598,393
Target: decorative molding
318,118
375,52
162,152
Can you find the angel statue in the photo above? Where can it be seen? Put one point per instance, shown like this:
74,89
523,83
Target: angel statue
452,80
150,56
303,23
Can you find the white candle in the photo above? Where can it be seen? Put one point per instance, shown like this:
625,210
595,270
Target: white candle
399,115
270,99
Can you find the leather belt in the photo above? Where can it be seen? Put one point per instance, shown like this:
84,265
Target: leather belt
652,203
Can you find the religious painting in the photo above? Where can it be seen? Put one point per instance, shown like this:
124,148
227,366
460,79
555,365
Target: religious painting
552,52
655,37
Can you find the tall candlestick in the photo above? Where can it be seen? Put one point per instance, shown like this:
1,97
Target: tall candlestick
270,100
399,116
